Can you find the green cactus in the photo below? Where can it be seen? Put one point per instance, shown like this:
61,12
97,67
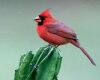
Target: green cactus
44,65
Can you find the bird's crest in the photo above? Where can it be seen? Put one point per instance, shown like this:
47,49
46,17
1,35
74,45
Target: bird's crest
46,13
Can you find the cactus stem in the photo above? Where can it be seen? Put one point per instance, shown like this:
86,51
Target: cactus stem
47,55
35,66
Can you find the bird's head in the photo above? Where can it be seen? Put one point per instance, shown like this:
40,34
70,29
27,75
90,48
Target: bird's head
44,16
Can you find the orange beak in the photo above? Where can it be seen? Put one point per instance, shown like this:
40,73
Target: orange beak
37,19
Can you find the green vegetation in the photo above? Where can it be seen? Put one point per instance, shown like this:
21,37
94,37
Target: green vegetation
43,65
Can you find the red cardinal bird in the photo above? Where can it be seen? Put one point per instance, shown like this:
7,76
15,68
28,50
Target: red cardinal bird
56,33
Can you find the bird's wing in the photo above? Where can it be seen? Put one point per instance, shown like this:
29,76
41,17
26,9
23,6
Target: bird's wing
61,30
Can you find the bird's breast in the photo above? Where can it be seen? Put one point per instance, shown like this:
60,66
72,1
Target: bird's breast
41,31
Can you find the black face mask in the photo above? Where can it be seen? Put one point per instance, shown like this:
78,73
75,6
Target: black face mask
42,19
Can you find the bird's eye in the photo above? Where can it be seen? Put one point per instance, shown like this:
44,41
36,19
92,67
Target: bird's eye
42,17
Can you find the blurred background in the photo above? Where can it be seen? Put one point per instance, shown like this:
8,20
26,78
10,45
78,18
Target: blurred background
18,35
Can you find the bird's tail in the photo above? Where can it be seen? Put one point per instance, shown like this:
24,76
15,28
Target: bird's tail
76,43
